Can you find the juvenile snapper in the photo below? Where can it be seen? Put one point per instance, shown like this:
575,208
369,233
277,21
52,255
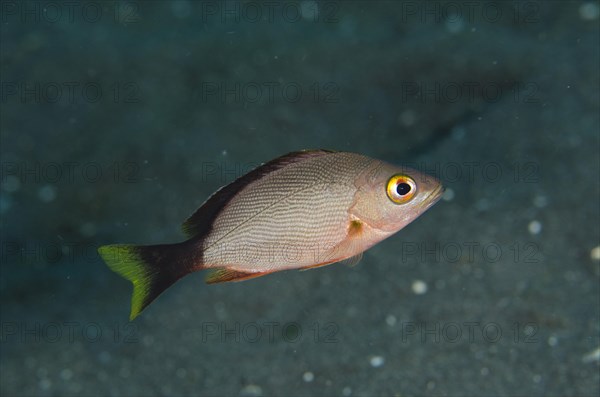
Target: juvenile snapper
300,211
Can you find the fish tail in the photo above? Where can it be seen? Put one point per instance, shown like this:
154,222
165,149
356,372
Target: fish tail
152,269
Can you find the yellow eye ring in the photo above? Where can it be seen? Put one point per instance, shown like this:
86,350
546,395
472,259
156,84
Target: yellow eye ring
401,188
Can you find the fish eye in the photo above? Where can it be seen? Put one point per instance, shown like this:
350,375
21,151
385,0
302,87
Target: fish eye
401,188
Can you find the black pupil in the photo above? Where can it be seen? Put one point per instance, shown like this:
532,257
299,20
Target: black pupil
403,188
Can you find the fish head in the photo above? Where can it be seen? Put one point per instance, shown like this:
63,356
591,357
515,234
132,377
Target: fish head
389,197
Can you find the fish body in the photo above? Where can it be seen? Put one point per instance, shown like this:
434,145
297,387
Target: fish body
302,210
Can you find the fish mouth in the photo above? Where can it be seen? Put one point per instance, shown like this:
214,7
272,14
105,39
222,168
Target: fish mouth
433,197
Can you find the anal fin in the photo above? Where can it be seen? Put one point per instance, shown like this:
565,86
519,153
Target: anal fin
224,275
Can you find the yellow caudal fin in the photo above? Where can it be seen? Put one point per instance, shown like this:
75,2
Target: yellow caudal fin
152,269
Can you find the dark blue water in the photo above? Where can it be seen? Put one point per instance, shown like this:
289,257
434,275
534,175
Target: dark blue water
118,119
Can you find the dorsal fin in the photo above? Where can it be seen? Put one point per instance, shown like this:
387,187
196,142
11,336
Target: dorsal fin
201,221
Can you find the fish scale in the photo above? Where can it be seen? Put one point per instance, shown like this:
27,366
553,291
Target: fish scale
337,170
304,229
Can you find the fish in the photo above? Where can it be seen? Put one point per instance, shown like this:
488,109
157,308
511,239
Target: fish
303,210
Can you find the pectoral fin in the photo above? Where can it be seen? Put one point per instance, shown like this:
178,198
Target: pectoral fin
350,244
353,260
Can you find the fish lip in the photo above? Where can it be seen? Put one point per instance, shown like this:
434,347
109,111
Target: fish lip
434,196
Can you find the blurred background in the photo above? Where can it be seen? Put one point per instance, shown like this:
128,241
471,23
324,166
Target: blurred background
118,119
